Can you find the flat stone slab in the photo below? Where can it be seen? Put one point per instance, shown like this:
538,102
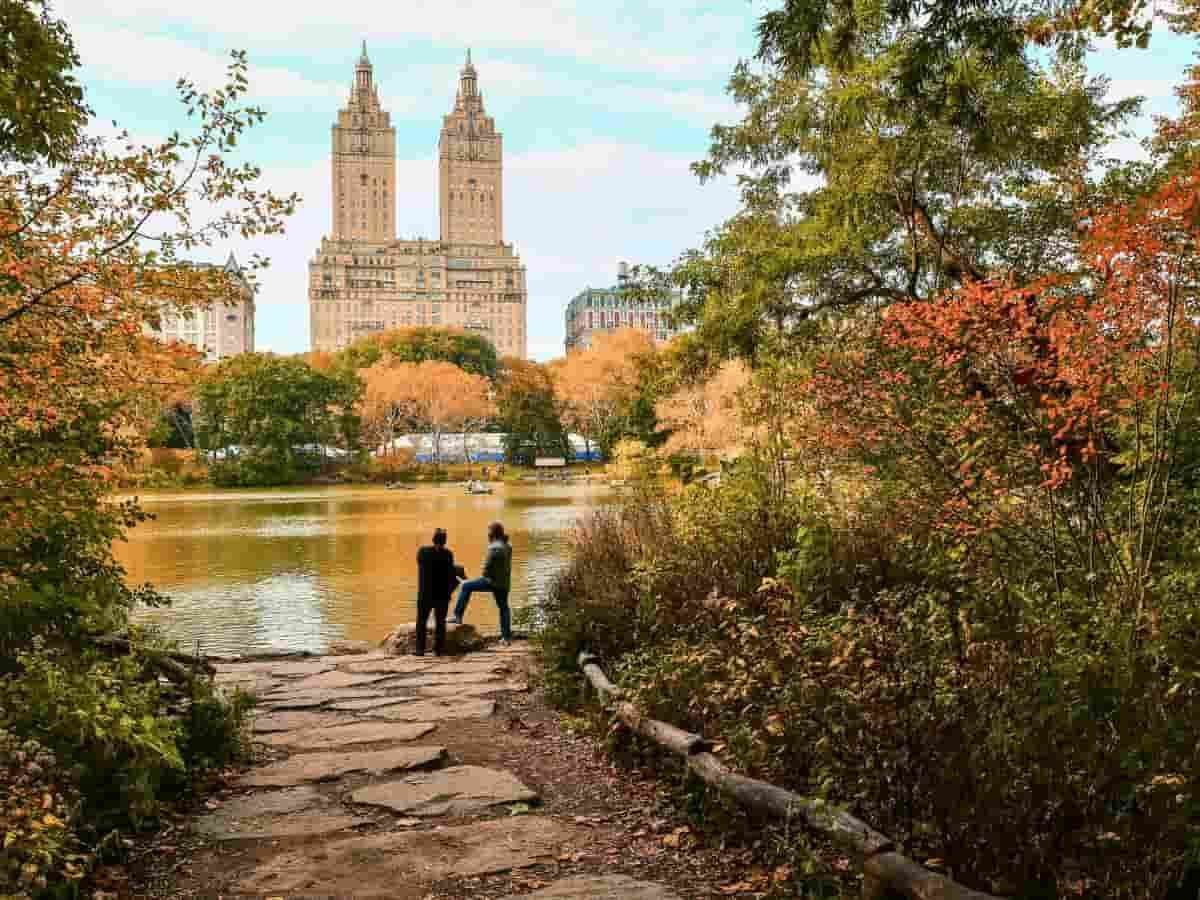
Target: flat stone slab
429,679
457,791
471,690
388,665
436,710
313,699
348,735
314,767
334,679
248,682
373,865
288,813
367,703
295,720
301,668
604,887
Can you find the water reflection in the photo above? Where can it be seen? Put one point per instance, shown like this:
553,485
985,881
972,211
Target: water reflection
275,570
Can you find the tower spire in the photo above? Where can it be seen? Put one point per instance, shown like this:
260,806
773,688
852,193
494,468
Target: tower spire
363,60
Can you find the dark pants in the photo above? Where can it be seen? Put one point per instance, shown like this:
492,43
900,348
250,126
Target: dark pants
482,584
424,608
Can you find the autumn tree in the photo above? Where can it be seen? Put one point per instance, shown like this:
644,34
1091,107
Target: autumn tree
433,396
707,417
598,386
95,236
528,412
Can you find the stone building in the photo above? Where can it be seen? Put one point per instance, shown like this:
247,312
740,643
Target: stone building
362,279
597,310
218,331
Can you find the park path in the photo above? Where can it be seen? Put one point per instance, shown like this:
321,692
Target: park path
406,777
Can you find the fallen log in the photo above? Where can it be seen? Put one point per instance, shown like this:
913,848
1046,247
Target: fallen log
172,664
887,874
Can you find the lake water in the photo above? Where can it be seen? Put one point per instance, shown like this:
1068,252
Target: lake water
294,569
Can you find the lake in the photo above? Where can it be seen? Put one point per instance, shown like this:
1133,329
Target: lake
258,571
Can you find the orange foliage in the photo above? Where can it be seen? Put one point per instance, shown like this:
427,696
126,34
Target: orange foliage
706,417
595,384
435,396
87,259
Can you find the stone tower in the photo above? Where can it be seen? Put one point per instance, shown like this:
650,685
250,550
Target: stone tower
364,164
471,196
364,280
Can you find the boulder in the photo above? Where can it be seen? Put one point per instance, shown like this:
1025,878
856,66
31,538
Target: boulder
459,639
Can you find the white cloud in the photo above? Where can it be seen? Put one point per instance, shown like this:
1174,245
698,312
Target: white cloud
580,30
121,54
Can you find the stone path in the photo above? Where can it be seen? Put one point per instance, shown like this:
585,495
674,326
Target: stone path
364,791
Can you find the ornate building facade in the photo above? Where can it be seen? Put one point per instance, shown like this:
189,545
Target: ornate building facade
218,331
363,279
596,311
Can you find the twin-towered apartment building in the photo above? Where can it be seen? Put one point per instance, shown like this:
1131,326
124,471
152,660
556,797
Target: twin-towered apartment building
363,279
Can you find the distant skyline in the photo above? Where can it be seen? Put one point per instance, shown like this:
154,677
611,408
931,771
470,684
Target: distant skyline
602,106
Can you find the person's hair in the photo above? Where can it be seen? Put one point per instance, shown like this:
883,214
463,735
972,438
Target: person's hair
496,532
439,537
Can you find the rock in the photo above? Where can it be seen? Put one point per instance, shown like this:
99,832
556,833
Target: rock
349,648
390,665
288,813
294,721
459,639
605,887
367,703
331,766
349,734
300,668
456,791
333,679
373,865
471,690
313,699
254,683
426,679
436,710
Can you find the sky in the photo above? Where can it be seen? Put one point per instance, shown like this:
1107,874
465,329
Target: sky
603,106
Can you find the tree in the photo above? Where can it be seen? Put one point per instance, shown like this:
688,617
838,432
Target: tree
527,410
597,387
436,397
380,409
421,343
263,416
707,417
88,254
863,192
41,103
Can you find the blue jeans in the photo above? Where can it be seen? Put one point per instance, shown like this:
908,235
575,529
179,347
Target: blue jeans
482,584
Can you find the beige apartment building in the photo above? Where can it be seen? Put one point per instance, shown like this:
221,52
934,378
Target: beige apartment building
363,279
218,331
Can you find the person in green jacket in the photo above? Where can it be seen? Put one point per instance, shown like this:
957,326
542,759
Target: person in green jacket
496,578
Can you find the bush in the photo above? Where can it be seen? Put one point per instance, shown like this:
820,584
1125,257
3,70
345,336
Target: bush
38,810
128,743
1002,732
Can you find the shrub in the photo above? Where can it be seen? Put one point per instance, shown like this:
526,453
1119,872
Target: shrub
990,726
129,743
38,809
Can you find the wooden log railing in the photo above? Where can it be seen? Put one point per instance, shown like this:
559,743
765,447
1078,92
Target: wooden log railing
887,874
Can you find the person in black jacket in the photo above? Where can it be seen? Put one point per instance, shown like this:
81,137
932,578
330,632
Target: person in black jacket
435,583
